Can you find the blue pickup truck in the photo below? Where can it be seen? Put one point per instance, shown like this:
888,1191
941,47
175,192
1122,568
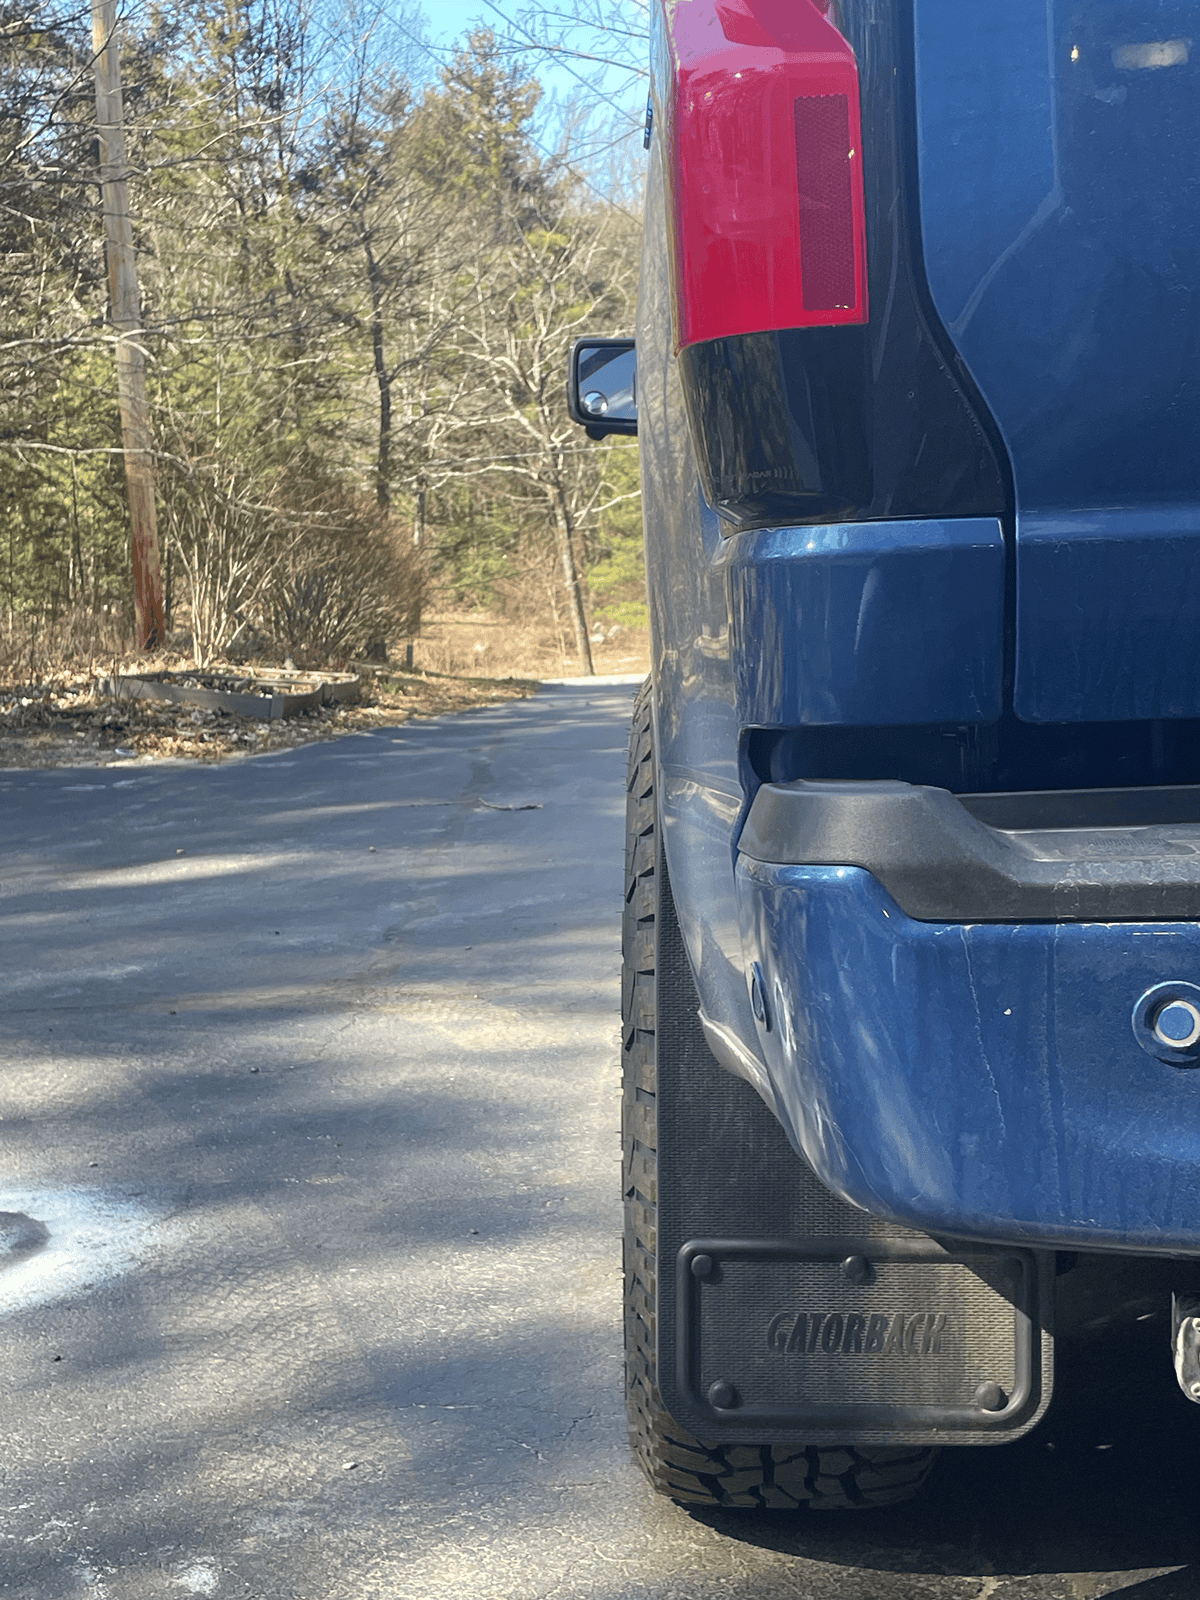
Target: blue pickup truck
912,930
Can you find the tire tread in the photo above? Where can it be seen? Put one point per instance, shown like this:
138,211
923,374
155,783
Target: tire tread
774,1477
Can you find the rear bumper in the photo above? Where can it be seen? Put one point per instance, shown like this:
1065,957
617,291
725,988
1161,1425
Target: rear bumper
1101,855
975,1079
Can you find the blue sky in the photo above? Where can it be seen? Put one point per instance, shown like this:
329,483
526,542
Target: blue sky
448,20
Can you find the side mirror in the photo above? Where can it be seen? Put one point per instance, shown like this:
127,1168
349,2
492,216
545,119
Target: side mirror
602,386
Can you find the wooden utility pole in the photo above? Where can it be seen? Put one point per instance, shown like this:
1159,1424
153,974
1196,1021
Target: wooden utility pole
125,313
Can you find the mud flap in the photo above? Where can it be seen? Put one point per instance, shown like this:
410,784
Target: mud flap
855,1338
797,1318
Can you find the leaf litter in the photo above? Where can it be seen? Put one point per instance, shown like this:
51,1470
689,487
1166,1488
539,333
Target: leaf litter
66,719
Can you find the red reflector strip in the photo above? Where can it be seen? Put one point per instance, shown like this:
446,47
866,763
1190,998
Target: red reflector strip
757,104
823,157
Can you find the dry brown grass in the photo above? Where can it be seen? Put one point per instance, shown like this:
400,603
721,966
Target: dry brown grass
483,644
36,649
60,718
66,721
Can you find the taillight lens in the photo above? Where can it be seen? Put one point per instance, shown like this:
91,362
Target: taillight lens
759,107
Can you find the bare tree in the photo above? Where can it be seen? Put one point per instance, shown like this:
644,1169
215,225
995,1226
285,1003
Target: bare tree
358,293
550,264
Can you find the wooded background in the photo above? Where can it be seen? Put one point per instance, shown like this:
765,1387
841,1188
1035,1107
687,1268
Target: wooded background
358,287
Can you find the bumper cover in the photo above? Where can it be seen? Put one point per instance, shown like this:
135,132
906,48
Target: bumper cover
980,1080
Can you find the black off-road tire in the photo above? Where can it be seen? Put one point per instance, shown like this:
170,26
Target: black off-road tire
833,1478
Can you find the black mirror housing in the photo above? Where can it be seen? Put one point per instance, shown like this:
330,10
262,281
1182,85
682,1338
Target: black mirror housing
602,386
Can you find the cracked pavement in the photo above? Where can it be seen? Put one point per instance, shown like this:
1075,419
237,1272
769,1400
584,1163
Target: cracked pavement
310,1215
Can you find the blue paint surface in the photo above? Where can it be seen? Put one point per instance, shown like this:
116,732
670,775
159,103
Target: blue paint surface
1059,155
975,1080
868,623
1060,209
1108,609
981,1080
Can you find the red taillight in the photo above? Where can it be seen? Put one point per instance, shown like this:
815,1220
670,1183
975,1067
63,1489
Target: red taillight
764,159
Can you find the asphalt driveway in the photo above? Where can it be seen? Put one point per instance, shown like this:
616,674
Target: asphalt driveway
309,1212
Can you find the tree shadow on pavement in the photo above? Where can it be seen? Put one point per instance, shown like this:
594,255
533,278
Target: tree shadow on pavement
1104,1484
